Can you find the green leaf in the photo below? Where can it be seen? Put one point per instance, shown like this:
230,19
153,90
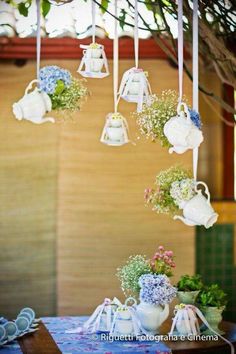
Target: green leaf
59,88
122,18
104,5
23,9
45,7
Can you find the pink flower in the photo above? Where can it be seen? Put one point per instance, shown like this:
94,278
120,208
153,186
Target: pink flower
169,253
161,248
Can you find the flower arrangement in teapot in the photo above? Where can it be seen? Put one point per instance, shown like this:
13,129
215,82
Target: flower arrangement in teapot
181,132
177,190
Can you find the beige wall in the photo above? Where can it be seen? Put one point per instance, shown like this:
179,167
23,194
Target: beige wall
72,205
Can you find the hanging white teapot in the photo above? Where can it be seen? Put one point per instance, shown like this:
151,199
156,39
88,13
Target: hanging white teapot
33,105
198,210
181,132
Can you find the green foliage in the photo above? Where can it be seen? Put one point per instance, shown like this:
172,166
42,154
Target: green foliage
23,8
190,283
68,98
130,273
45,7
122,18
213,296
104,5
161,199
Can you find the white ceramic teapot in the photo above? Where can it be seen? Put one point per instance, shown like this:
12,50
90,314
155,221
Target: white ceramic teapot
181,132
33,105
198,210
151,316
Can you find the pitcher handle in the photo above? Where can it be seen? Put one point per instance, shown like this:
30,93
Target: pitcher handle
206,190
186,110
29,87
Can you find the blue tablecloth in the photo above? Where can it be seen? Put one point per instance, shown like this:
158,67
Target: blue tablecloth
75,343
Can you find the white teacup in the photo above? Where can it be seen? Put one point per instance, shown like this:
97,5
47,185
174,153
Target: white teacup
134,88
115,134
93,53
124,326
94,65
115,123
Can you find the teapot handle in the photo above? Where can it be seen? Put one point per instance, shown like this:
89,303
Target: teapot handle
206,190
186,111
29,87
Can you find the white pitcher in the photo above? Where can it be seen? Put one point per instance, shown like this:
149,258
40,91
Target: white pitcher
151,316
198,210
33,105
181,132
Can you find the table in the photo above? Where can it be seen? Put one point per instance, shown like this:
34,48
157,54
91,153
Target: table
41,342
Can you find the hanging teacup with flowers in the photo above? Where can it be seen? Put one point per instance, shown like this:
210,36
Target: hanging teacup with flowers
115,131
94,62
33,105
181,132
177,190
125,321
135,87
65,91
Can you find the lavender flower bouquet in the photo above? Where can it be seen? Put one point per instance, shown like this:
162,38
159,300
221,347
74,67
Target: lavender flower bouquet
64,90
156,289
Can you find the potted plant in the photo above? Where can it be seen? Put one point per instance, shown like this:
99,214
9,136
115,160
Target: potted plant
155,295
189,287
212,301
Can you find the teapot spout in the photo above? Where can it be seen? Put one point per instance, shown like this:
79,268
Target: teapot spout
184,220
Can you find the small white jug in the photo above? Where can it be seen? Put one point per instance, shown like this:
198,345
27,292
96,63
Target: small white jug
33,105
181,132
198,210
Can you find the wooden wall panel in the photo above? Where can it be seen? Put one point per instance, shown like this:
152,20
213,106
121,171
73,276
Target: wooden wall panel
28,181
101,215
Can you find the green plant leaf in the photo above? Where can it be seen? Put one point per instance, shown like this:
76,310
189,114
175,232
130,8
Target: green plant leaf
104,5
45,7
122,18
23,9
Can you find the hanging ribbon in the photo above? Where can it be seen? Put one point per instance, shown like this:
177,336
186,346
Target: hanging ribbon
93,21
38,38
136,41
195,77
115,61
180,48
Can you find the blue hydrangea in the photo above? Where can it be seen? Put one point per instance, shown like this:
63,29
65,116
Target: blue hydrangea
156,289
49,76
195,118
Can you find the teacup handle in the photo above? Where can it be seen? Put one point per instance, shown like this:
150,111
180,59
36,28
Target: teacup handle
186,111
29,87
206,190
130,299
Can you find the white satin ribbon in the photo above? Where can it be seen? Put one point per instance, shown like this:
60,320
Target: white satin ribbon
195,77
180,48
38,39
93,20
115,61
136,41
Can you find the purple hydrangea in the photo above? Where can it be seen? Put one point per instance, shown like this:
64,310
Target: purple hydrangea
49,76
156,289
195,118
